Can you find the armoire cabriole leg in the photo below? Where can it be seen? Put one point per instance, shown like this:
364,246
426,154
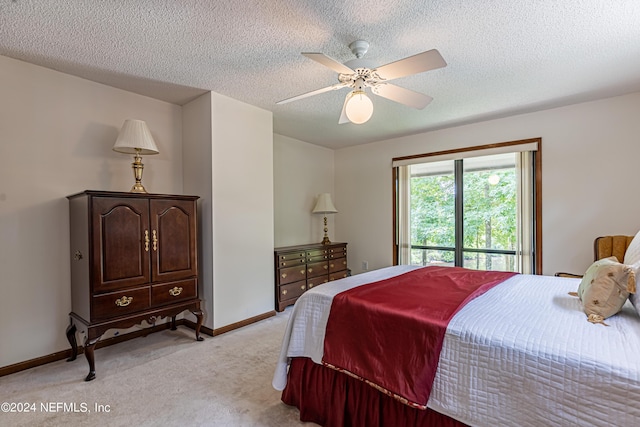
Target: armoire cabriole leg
89,347
200,316
71,336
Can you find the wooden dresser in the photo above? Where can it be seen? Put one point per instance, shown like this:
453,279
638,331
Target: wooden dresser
133,259
302,267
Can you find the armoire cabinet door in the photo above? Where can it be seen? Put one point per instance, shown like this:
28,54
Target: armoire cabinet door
173,237
121,243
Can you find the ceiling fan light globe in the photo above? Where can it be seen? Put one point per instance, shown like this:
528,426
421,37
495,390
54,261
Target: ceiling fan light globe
359,108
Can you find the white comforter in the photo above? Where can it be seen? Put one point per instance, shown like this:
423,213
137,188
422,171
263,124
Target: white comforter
522,354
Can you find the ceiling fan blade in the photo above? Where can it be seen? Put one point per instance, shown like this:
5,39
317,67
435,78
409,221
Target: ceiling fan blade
314,92
343,116
403,96
329,62
425,61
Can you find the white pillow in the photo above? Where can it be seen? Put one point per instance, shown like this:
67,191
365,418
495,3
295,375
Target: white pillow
632,258
632,255
635,297
635,300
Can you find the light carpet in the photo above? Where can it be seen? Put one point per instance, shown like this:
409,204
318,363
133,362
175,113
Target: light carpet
165,378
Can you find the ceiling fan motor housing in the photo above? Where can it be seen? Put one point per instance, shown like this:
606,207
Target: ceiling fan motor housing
359,48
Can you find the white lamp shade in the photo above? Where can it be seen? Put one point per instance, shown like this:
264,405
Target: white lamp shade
359,107
135,136
324,204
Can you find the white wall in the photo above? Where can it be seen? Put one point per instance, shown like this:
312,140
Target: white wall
301,171
196,153
56,134
237,204
589,184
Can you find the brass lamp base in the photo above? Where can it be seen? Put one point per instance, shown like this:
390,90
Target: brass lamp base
138,188
326,240
138,167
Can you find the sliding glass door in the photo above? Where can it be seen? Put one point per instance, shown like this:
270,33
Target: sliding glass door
477,212
489,212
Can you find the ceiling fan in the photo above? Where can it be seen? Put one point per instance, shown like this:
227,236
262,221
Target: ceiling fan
359,74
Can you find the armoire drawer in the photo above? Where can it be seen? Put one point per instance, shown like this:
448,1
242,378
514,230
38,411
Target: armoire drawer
167,293
118,303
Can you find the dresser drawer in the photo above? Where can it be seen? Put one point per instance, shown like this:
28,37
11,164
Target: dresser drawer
302,267
292,290
337,265
316,281
337,253
317,255
338,275
292,274
116,304
290,259
317,269
173,292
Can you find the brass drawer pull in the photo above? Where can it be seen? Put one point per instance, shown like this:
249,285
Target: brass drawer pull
146,240
124,301
301,271
310,270
310,285
284,292
325,267
174,292
284,275
344,262
155,240
302,287
331,265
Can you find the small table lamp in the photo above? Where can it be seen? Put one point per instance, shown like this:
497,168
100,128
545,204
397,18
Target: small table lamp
135,138
324,205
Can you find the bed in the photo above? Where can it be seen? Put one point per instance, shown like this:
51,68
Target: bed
520,354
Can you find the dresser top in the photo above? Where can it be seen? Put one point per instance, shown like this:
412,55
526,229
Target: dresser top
308,246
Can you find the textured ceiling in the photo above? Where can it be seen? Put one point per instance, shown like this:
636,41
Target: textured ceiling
504,57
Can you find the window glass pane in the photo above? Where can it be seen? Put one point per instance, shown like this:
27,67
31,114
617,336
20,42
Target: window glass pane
432,257
490,202
433,204
494,262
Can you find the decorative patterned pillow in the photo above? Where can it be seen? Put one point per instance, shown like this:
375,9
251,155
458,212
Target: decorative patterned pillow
605,287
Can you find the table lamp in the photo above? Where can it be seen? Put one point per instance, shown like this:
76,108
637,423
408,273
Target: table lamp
135,138
324,206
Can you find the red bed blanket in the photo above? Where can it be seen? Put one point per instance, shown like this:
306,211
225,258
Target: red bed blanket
390,333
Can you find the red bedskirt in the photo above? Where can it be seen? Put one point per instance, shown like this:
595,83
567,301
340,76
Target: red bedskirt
333,399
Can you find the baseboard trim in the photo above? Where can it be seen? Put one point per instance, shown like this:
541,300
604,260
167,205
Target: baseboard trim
54,357
246,322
